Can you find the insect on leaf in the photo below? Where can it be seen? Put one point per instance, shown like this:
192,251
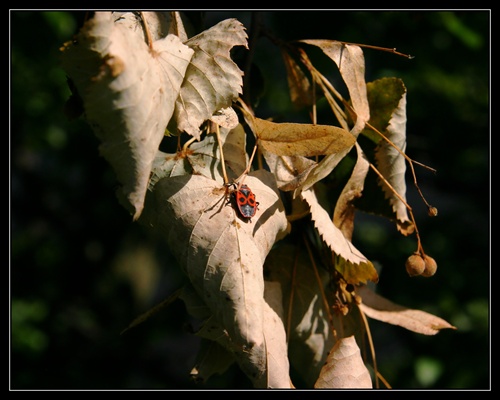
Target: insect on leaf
223,258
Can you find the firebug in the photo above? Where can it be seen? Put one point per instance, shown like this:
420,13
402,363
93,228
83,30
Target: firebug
245,202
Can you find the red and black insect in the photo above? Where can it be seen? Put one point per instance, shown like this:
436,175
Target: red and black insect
245,202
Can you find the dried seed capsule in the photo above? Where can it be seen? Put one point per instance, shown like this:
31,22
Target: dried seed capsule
430,266
415,265
432,211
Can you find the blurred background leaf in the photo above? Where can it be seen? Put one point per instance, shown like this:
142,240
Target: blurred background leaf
81,271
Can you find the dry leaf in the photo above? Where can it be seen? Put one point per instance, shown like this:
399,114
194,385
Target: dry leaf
226,118
223,256
160,24
351,63
310,336
213,81
343,216
290,171
128,93
130,90
301,92
344,368
390,162
357,269
214,356
310,333
203,158
278,367
290,139
377,307
321,170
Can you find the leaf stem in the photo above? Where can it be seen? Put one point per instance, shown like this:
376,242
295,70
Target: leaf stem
219,141
293,286
412,217
149,39
372,348
152,311
389,50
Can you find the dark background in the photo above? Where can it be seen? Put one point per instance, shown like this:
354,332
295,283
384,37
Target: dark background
81,271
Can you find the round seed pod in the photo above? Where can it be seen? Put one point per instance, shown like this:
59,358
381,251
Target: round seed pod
432,211
415,265
430,266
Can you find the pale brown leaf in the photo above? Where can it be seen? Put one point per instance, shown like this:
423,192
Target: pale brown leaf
310,336
159,23
378,307
226,118
128,93
213,81
217,357
223,255
308,301
338,243
290,171
203,158
321,170
351,64
291,139
299,85
343,216
391,163
344,368
278,367
212,359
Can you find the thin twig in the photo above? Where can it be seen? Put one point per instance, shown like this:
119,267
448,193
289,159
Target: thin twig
219,141
372,347
292,293
149,39
143,317
389,50
419,244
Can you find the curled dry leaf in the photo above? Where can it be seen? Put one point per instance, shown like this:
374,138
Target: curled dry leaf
128,93
285,146
378,307
387,98
212,359
351,64
356,268
223,256
343,216
344,368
